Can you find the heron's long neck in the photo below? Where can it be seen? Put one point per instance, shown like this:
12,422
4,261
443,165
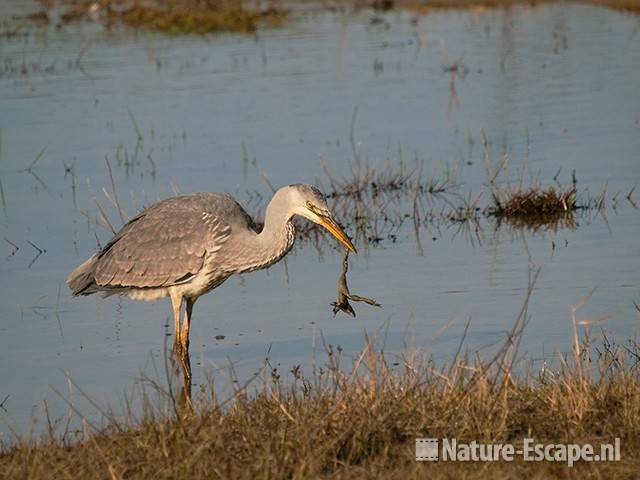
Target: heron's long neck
274,241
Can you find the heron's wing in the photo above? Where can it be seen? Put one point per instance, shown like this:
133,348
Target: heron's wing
164,245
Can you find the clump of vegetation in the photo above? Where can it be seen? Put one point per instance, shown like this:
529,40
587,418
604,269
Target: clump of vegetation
533,205
172,16
362,421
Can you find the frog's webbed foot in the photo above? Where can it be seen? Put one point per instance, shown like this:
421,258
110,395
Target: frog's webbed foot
359,298
344,307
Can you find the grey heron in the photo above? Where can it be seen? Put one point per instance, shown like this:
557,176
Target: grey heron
185,246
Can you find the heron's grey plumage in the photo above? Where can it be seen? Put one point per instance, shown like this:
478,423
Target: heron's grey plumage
185,246
164,245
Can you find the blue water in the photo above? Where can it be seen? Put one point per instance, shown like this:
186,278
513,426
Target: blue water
552,87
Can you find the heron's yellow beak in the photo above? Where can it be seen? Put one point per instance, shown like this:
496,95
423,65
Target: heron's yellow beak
331,225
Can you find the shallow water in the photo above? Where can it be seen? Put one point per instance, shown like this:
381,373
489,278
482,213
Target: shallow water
552,87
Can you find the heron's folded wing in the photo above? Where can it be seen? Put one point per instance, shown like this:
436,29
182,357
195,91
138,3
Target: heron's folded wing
162,246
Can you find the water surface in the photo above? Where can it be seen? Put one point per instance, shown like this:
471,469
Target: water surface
552,87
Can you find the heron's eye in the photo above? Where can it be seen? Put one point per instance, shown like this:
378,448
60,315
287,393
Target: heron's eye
318,211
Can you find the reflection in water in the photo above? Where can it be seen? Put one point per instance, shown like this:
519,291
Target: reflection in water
551,224
454,69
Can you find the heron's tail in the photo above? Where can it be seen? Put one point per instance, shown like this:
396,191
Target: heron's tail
82,278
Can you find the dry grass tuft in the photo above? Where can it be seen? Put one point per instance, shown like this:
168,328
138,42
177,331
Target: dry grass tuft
534,205
197,16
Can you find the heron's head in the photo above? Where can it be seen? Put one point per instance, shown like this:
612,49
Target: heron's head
310,203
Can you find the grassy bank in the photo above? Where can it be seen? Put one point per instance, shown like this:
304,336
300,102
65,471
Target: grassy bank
362,421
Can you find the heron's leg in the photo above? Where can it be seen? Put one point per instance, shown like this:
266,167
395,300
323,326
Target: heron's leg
176,302
184,402
184,332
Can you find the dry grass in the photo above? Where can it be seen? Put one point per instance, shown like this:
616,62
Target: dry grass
535,202
171,16
362,422
347,426
534,206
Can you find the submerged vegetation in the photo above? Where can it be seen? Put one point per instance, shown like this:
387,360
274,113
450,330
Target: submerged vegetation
361,421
